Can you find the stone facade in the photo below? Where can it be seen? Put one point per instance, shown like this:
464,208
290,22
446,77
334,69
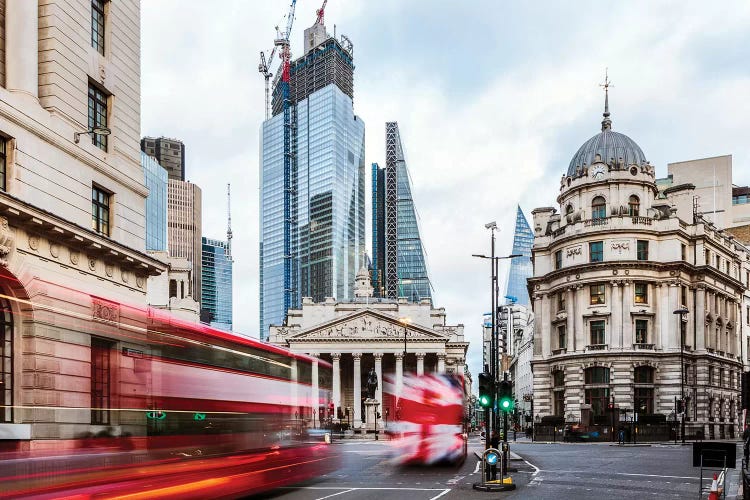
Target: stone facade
63,282
392,336
610,271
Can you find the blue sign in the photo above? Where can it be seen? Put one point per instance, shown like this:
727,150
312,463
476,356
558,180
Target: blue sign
491,458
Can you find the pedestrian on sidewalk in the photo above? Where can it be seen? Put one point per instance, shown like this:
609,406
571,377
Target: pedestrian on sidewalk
621,436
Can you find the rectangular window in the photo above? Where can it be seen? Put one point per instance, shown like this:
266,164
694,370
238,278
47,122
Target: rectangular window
642,250
641,331
598,399
596,293
641,293
683,252
596,251
710,375
559,402
100,381
558,259
561,301
100,210
562,341
98,115
718,262
684,295
644,400
747,315
97,25
728,267
597,332
708,257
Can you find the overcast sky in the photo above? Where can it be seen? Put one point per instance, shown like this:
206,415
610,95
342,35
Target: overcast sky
492,99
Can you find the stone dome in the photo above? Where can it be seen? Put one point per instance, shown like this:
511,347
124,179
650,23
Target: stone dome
608,144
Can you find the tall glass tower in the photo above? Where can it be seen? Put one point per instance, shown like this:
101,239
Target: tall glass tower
317,177
520,267
399,267
216,283
156,204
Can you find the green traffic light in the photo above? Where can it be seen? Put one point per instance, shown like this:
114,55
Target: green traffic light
506,404
484,400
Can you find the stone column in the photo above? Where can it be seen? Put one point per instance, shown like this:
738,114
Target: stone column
537,306
420,363
460,366
295,386
441,362
315,397
399,373
570,327
379,373
336,356
22,46
357,372
627,320
581,304
616,337
674,325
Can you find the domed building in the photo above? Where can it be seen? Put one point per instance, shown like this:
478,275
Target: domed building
614,264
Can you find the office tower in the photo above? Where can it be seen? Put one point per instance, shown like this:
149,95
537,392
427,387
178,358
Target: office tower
216,283
156,204
184,223
170,153
521,268
312,210
398,255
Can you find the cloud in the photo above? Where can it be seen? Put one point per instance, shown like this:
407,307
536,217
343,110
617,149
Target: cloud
492,101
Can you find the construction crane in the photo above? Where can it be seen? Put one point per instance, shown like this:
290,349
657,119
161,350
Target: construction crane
263,68
321,12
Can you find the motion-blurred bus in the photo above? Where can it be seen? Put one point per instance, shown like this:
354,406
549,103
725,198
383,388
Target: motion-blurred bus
429,424
178,410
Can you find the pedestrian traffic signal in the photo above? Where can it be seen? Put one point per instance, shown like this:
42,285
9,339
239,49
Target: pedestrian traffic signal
486,390
505,396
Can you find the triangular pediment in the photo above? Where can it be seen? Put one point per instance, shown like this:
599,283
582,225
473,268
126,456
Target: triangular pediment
367,324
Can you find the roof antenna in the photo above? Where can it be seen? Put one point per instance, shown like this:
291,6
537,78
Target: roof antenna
606,123
229,223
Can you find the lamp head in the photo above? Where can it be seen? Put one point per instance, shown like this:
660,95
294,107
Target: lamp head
491,225
682,310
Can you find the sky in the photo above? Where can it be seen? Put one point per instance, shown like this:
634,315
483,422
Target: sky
492,99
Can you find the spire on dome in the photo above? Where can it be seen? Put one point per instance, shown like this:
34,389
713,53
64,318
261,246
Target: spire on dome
606,123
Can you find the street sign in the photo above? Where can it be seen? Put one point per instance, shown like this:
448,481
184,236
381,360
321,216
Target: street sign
710,454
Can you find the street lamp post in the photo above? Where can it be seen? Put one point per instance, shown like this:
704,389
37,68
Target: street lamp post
492,423
682,311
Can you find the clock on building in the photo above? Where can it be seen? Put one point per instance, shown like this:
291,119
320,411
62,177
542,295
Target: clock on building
597,172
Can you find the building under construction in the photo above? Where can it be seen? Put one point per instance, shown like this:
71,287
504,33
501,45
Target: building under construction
312,180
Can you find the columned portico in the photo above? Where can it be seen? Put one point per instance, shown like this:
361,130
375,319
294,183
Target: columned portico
367,342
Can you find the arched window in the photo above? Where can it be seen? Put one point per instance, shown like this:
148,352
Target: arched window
569,209
634,206
598,208
6,361
596,392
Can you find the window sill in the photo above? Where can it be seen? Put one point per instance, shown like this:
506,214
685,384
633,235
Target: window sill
556,352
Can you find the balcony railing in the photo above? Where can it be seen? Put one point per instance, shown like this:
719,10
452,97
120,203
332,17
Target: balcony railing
596,347
558,232
601,221
643,347
642,220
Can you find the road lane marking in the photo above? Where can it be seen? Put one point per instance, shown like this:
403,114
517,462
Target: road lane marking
336,494
536,469
589,473
476,469
440,494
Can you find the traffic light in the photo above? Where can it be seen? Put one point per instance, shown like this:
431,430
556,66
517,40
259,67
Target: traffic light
505,395
486,390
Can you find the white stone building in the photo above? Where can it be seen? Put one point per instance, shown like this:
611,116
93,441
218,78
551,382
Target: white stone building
392,336
610,270
72,237
520,321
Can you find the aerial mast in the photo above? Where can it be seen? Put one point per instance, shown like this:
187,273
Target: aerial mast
229,222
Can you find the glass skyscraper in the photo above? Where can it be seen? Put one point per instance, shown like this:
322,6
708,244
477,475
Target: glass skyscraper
156,204
216,283
521,268
323,165
399,267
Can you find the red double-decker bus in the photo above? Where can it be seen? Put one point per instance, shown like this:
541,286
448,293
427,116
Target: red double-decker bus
178,410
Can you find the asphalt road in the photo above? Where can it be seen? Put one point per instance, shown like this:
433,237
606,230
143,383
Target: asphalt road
559,471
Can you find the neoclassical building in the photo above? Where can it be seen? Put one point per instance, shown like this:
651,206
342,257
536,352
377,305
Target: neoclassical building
612,263
393,337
